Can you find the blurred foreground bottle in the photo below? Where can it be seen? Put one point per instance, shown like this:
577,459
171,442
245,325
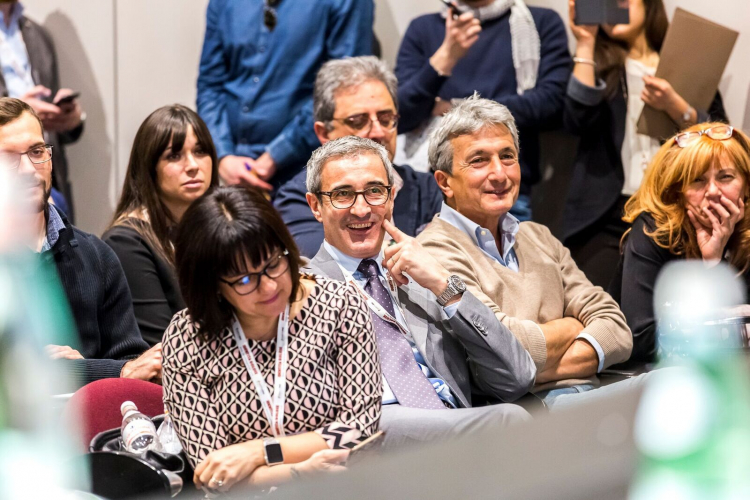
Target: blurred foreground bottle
693,425
34,450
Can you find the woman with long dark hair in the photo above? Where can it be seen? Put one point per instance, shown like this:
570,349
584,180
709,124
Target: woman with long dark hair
253,324
612,80
172,163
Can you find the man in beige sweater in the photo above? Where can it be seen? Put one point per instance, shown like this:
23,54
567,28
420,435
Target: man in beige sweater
571,328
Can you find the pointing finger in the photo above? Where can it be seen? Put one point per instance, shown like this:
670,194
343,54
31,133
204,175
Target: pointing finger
393,231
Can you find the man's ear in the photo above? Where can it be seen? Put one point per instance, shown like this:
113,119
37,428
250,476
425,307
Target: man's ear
315,206
444,183
321,130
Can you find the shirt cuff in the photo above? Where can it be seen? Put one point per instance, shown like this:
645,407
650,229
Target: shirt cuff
582,93
282,151
450,310
599,351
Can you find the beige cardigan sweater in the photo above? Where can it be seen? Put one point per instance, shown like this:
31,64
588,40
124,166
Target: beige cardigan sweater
548,286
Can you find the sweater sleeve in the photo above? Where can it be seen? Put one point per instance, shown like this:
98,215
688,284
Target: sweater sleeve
150,304
291,203
452,256
642,261
359,380
591,305
120,340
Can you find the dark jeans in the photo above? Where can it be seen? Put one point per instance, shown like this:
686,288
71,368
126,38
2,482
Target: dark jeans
596,249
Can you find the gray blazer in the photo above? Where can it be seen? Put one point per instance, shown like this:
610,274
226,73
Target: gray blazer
472,350
43,62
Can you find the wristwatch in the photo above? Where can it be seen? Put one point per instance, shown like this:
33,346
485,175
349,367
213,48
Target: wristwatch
272,451
455,286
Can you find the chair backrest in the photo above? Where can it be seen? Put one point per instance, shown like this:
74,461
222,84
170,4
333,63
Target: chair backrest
96,406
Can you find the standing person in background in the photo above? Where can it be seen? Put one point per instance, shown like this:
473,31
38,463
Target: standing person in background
29,72
508,52
612,79
256,78
172,163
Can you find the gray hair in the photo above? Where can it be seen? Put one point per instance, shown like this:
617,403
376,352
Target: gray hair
350,146
466,117
340,74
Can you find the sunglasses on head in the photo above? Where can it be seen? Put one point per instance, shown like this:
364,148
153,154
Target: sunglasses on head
717,133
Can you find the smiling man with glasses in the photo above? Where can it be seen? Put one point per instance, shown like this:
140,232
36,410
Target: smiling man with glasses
357,96
89,272
439,346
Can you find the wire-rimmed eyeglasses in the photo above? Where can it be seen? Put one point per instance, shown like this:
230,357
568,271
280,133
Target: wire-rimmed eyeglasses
38,155
717,133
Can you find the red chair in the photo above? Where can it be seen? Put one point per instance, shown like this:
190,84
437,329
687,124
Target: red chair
97,405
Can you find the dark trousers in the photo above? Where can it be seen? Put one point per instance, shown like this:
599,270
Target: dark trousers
596,249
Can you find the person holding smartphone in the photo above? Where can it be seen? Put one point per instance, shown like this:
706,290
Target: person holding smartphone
508,52
29,72
613,78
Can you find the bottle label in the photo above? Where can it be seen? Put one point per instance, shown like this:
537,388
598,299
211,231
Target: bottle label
136,429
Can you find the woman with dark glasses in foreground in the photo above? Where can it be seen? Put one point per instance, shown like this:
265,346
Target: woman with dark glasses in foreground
691,205
267,371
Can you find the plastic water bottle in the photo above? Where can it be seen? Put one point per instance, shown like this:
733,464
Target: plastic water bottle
138,431
168,442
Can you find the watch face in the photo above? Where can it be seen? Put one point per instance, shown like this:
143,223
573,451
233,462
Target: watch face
457,283
273,453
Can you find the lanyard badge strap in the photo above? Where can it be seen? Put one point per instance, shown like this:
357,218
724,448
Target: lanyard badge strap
273,408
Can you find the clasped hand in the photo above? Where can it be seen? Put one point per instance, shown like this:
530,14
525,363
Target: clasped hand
715,225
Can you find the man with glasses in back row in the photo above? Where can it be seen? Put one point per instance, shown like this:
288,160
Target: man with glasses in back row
357,96
110,344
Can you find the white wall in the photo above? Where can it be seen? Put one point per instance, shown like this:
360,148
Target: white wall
129,57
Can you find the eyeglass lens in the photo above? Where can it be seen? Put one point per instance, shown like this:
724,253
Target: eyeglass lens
387,120
250,282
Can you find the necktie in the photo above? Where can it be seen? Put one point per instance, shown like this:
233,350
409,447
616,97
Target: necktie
400,369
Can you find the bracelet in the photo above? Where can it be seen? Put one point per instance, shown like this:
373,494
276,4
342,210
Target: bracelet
584,61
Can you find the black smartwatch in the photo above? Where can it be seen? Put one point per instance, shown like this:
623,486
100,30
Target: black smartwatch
272,450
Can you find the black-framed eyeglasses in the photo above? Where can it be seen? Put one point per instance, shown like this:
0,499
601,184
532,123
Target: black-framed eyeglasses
387,119
38,155
717,133
277,265
345,198
270,18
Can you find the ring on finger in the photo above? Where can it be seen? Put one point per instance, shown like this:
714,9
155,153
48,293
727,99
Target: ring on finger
217,482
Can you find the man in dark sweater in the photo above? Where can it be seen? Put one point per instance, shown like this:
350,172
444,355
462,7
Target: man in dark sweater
110,344
357,96
508,52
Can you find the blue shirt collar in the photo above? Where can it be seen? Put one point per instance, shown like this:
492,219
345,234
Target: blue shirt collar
508,226
349,263
15,16
55,224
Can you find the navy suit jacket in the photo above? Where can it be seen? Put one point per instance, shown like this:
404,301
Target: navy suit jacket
416,204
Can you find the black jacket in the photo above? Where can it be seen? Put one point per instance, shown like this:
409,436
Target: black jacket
598,177
99,300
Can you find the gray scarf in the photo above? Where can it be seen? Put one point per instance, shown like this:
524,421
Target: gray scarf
524,38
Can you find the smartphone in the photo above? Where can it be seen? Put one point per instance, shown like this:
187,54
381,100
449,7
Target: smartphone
67,99
455,10
367,446
596,12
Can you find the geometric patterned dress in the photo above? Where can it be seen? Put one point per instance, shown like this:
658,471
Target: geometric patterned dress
333,384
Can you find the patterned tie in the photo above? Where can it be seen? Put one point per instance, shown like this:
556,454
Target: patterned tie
400,369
